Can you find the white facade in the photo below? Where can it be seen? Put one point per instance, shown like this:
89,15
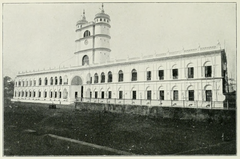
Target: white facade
186,78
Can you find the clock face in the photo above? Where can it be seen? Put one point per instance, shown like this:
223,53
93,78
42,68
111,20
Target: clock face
85,42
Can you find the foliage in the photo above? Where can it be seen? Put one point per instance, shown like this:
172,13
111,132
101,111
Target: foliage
8,89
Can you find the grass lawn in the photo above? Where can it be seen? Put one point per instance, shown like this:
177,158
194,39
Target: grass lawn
140,135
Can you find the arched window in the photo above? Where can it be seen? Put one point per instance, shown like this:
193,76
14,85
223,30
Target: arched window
60,80
95,78
56,80
34,82
46,81
89,78
30,82
102,77
109,76
39,93
26,93
45,94
208,69
59,94
26,83
190,71
120,76
134,75
85,60
86,33
30,94
22,93
19,83
39,81
51,81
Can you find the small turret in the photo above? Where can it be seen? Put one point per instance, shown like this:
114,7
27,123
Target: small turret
102,17
82,21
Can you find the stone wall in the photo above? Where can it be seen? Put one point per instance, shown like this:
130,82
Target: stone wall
162,112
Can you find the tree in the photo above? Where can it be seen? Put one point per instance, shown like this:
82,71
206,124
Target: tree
8,89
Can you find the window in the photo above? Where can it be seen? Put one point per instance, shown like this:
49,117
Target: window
90,94
34,82
191,95
51,94
86,33
26,83
109,94
55,94
120,76
51,81
120,94
100,19
208,95
26,94
190,72
22,94
134,95
109,76
56,80
19,83
60,94
102,78
175,73
95,78
30,83
161,74
23,83
85,60
134,75
39,94
96,95
161,95
148,75
208,71
30,94
34,94
40,82
46,81
45,94
175,95
149,95
102,95
60,80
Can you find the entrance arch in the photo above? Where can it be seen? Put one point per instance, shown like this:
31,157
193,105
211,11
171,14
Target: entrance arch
76,89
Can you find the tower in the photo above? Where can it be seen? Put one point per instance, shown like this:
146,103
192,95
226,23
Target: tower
93,39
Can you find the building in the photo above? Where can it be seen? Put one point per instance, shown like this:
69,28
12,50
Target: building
185,78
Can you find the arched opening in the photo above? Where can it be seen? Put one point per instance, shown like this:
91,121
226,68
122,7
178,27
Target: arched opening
208,93
86,33
190,93
102,77
46,81
175,93
109,76
40,82
190,71
56,80
95,78
120,76
207,69
76,81
85,60
65,80
161,93
60,80
134,75
89,78
51,81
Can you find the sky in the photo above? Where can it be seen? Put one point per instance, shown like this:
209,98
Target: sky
42,36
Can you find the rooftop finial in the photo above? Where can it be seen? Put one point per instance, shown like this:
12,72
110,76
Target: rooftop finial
102,8
84,14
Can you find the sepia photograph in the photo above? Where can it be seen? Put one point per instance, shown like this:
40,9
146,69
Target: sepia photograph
119,79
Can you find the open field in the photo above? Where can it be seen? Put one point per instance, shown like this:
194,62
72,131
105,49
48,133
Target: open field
139,135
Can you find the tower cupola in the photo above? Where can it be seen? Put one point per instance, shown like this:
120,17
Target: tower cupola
102,16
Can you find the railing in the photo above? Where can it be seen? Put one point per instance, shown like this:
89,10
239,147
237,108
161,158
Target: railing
163,103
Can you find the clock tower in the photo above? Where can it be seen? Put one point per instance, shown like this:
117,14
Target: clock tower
93,39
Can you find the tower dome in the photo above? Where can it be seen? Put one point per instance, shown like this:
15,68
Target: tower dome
83,20
102,15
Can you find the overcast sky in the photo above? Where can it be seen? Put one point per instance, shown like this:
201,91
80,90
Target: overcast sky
37,36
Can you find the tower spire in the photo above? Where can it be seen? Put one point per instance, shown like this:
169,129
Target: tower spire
102,8
83,16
